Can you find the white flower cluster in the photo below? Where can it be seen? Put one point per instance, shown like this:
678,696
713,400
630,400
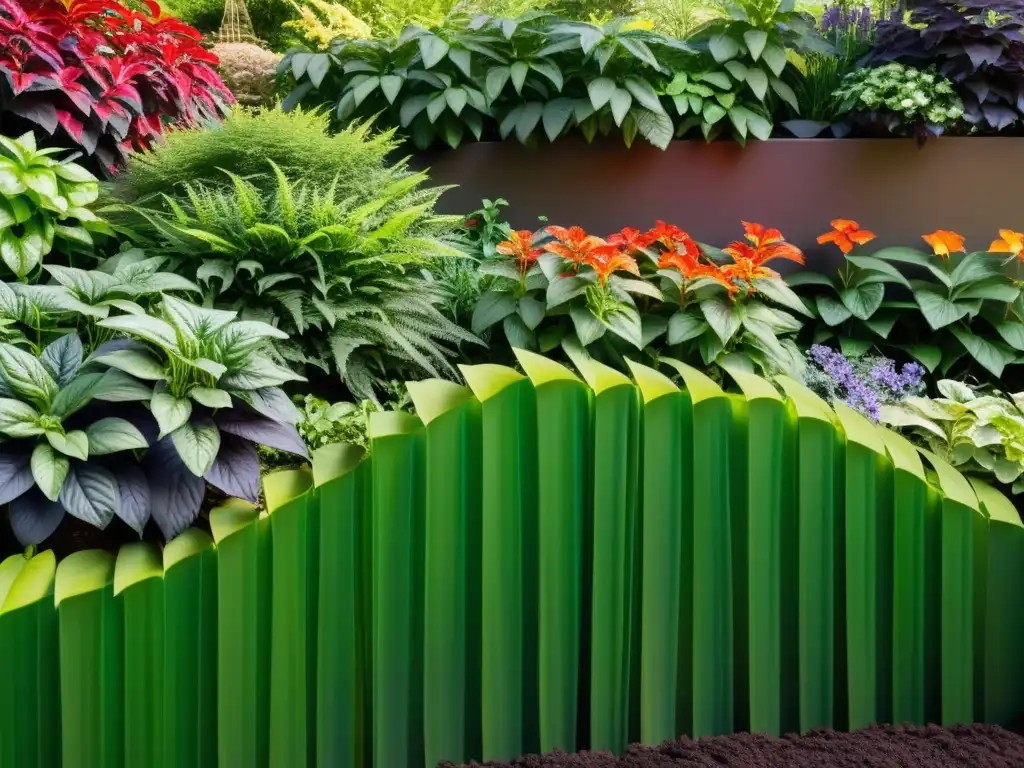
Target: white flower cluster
912,94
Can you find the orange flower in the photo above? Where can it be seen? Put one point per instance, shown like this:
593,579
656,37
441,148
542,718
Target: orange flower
746,270
520,246
573,244
760,236
846,234
631,240
608,259
768,244
667,234
944,242
1010,242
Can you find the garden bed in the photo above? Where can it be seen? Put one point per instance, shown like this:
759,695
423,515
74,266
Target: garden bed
892,186
887,746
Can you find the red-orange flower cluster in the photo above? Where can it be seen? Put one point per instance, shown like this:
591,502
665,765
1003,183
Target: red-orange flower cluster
675,250
604,257
748,260
520,247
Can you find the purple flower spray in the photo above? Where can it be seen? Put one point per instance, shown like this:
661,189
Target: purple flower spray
863,383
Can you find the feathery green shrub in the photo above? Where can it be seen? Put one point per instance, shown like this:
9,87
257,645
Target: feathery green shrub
299,142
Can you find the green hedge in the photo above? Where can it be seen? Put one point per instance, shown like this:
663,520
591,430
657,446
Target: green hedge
532,559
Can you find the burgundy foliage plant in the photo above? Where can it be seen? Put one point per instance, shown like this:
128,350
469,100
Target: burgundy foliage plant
102,77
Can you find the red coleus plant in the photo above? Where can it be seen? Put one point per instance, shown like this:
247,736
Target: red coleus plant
101,76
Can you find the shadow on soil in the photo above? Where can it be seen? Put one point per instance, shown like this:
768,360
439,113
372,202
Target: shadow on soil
884,746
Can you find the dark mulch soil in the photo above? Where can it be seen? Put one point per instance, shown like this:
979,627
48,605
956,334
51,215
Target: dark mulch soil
883,746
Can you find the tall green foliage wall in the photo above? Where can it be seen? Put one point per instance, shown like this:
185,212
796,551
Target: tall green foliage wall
533,562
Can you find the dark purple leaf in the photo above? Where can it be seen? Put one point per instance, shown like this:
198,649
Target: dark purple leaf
978,86
261,430
15,476
39,111
805,129
90,493
999,117
236,471
34,517
176,494
136,500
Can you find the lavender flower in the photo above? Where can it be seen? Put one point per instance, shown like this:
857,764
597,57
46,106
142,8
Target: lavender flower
863,383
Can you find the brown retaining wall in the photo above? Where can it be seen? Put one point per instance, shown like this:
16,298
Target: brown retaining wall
897,189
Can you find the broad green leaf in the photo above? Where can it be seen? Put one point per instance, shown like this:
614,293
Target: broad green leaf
588,327
211,398
391,85
974,267
197,443
626,325
111,435
926,354
723,48
832,311
74,444
914,256
196,322
76,395
27,376
528,119
140,364
531,311
556,116
492,307
550,70
119,387
1012,333
775,57
995,289
990,356
170,412
723,317
938,310
777,290
49,469
876,265
518,72
683,326
755,40
145,327
461,58
432,49
644,94
495,82
18,419
562,289
786,93
620,103
758,82
863,300
456,98
517,334
218,268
